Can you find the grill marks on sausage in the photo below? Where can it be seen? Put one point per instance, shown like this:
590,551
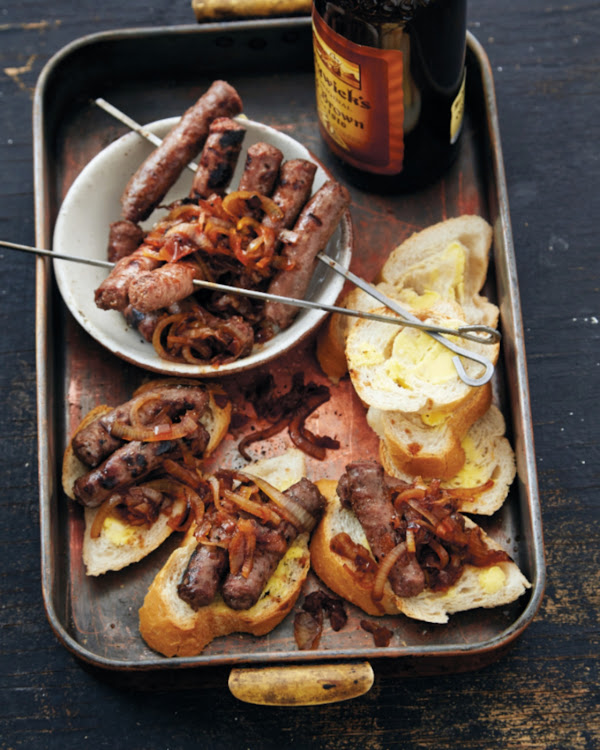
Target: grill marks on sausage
117,464
261,168
161,169
314,228
363,489
208,566
219,158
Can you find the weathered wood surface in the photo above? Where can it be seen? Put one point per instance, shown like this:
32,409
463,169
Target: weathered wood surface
544,692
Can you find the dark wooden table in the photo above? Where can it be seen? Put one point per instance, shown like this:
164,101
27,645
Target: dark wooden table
544,692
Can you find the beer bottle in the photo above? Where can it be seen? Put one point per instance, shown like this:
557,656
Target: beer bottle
390,86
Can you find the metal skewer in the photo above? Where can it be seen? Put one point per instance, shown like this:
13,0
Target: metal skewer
201,283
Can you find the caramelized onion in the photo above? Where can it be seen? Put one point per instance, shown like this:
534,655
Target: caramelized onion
385,567
291,511
154,433
260,510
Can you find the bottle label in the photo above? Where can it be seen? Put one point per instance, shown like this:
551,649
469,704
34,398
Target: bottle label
360,100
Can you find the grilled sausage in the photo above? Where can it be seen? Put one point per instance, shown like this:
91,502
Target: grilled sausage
123,238
95,442
203,575
240,592
291,192
113,292
219,158
162,286
261,168
363,488
148,186
123,467
314,228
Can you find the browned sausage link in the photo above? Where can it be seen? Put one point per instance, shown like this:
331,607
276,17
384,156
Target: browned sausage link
314,228
95,442
291,192
162,286
219,158
112,294
160,170
240,592
203,575
123,238
127,464
261,168
363,488
144,323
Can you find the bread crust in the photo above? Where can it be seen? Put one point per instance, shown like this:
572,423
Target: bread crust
174,629
469,592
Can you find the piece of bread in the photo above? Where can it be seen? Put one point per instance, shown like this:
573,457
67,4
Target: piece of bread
171,627
491,586
449,259
489,467
400,368
429,445
119,543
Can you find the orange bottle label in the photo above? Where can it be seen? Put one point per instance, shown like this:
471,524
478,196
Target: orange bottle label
360,100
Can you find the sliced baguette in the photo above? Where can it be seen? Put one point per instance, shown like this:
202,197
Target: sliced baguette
429,445
120,544
491,586
489,468
171,627
397,368
423,263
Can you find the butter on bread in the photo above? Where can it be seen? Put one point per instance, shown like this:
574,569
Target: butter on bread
401,368
487,471
448,260
429,445
170,626
490,586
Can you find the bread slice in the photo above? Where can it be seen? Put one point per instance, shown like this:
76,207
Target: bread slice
398,368
171,627
120,544
489,468
429,445
491,586
449,258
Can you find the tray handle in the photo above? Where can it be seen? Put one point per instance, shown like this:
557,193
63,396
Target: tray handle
301,685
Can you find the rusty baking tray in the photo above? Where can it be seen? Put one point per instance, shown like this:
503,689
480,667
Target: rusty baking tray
156,73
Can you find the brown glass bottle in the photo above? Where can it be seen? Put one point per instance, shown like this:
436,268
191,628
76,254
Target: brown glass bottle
390,78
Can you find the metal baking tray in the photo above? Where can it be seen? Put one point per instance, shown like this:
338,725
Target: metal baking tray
156,73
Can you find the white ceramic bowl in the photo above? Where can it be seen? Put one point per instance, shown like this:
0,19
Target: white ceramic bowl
92,203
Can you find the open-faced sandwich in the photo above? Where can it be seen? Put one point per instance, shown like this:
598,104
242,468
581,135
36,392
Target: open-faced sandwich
122,464
390,547
243,561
